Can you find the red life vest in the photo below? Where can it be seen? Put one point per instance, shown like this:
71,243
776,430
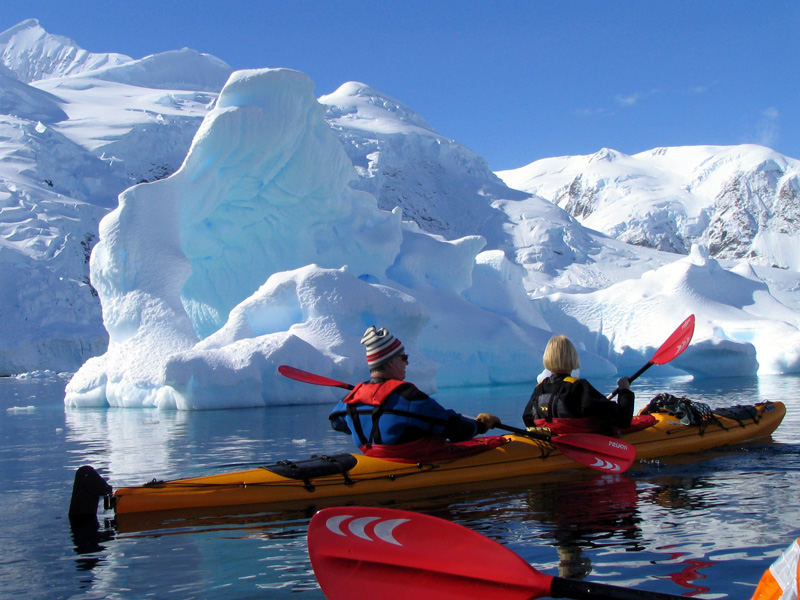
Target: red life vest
373,394
426,449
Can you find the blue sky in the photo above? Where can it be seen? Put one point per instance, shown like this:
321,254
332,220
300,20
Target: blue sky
514,81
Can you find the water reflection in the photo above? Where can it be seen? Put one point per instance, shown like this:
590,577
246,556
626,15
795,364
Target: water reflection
584,514
684,494
677,493
89,539
111,440
690,572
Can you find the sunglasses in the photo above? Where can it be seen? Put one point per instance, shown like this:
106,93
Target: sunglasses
404,357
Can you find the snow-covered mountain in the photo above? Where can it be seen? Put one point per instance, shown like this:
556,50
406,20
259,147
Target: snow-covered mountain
741,202
448,190
76,129
441,185
33,54
275,257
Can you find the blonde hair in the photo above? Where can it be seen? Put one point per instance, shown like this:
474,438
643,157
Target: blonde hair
560,355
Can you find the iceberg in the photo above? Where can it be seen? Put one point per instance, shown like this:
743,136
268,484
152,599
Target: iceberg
258,252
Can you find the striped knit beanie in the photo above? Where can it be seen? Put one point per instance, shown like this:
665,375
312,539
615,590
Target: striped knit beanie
381,346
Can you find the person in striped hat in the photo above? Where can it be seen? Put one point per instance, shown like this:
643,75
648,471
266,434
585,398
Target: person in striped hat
389,417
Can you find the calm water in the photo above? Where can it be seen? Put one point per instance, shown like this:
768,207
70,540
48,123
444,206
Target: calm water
705,525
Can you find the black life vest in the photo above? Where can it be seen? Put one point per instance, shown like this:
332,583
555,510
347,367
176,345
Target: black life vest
551,396
559,407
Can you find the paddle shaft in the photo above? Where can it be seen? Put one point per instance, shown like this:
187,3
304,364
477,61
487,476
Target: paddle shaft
676,343
587,590
633,377
523,432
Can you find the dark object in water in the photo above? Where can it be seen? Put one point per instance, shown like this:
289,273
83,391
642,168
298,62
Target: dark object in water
88,488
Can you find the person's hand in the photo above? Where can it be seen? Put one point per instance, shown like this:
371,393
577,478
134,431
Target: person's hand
624,383
489,421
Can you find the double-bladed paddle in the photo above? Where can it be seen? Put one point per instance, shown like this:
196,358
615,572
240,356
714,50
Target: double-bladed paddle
593,450
675,344
361,553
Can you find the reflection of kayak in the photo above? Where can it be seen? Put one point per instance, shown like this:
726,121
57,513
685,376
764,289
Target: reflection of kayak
308,482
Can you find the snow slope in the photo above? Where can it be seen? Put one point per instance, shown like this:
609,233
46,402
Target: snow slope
439,184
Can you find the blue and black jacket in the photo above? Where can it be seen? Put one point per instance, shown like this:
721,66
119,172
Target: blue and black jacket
391,411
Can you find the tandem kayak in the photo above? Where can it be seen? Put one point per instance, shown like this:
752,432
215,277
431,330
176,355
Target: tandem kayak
307,483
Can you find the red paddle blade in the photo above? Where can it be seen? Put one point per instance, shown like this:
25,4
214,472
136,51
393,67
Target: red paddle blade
306,377
599,452
676,343
368,553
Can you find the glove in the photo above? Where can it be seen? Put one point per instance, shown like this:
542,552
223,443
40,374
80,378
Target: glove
488,421
624,383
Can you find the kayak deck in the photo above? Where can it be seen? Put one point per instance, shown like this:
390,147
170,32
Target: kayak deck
520,456
304,483
669,436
